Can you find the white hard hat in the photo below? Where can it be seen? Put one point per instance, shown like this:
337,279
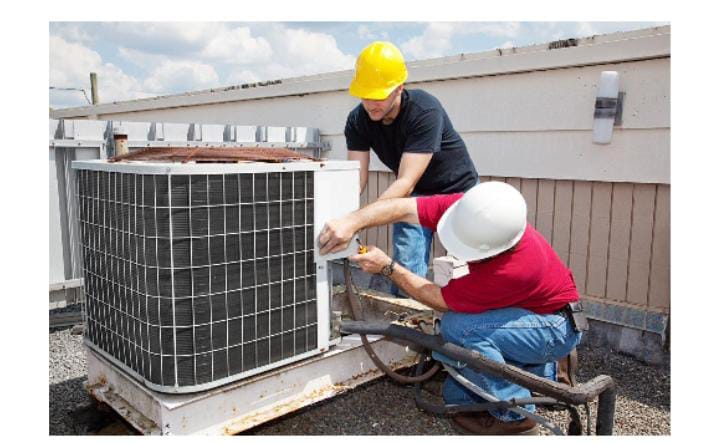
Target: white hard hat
489,219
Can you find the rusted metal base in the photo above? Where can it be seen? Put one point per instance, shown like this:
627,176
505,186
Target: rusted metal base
239,406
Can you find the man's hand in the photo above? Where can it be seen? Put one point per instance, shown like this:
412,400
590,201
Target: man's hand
373,261
335,235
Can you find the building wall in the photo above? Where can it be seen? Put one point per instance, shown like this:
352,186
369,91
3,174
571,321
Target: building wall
526,116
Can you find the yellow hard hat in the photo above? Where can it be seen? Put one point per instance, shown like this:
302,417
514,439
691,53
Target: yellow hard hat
379,69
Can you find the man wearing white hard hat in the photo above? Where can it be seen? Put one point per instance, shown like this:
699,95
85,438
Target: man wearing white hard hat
515,305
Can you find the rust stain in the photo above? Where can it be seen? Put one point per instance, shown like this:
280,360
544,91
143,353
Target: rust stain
214,155
316,395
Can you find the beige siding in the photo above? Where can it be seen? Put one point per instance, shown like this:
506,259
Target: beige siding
580,233
599,236
529,188
619,247
641,237
545,208
562,218
660,263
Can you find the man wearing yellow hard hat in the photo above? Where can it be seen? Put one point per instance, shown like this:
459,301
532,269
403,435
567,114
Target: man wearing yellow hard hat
411,134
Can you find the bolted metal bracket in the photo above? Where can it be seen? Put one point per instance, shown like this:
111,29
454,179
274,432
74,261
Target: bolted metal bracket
606,107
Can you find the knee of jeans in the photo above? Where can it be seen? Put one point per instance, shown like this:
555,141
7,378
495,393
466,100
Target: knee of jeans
450,329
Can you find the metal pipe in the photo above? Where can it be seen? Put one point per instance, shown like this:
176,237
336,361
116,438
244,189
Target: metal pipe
573,395
94,88
606,410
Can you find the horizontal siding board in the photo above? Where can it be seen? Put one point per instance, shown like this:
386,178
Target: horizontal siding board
634,156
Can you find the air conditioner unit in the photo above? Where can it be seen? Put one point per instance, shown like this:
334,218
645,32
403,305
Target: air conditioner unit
197,275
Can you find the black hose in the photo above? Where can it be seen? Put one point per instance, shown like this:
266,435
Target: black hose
356,311
572,395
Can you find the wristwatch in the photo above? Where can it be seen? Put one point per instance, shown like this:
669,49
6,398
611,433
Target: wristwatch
388,269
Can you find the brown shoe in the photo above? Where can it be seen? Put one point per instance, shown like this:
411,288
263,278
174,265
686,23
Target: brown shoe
483,423
567,369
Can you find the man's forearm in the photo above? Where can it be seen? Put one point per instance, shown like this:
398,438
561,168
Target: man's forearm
420,289
399,188
383,212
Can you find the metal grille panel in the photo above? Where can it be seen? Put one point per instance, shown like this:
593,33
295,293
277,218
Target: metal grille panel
192,279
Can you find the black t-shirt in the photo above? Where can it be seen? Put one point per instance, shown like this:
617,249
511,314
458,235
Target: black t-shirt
422,126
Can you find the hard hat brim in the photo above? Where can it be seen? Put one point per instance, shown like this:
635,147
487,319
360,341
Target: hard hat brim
363,92
461,250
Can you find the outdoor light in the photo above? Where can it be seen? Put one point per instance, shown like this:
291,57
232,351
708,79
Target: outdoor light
608,107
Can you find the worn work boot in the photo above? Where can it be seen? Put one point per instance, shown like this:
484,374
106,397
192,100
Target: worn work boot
567,369
483,423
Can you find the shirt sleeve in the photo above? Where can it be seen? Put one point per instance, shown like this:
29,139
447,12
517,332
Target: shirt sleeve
354,139
424,135
431,208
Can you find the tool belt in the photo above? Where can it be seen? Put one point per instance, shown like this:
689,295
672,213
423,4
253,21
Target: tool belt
574,312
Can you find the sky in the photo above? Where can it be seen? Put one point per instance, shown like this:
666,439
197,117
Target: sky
143,59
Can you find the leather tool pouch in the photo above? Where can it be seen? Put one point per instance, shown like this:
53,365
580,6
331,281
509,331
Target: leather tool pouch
575,313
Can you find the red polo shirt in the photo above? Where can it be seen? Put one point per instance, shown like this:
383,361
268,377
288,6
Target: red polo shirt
531,276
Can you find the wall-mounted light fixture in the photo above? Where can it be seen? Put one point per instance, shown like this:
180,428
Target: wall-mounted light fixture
608,107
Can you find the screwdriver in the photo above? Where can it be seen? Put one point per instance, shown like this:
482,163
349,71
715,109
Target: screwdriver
362,249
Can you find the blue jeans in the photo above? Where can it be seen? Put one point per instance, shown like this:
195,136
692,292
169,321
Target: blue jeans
411,249
513,336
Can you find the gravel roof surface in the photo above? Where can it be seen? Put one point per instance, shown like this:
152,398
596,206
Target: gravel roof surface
377,408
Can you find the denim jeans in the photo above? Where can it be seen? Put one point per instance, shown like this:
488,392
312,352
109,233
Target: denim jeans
411,249
513,336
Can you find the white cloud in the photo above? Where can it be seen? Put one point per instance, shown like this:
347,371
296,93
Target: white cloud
168,36
71,65
70,32
435,41
238,46
314,49
174,76
585,29
299,52
493,29
166,58
364,33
